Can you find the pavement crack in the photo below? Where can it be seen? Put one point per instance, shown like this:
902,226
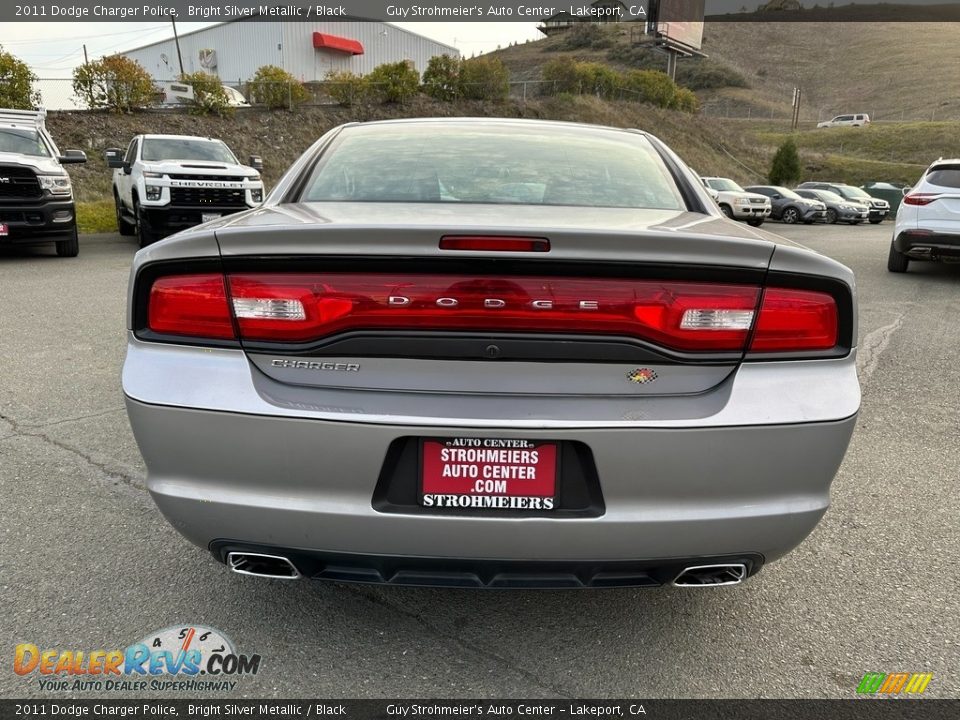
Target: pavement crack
471,647
873,345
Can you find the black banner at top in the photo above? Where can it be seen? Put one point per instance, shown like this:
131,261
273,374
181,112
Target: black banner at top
480,11
555,709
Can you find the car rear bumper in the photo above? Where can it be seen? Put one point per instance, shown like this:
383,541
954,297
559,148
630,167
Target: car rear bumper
234,470
927,245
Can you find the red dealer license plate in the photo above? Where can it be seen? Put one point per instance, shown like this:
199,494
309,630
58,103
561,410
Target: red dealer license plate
4,230
488,474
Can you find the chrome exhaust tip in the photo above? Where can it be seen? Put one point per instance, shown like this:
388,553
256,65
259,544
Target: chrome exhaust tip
711,575
260,565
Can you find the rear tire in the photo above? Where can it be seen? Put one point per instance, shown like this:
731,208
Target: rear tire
876,221
856,222
727,211
123,227
790,216
831,217
69,247
755,222
896,261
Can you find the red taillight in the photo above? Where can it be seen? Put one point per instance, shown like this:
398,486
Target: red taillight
190,305
683,316
920,198
795,320
494,243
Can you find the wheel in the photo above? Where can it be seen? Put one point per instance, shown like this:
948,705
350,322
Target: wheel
831,216
876,221
790,215
856,222
896,261
755,222
808,222
69,247
145,236
727,211
123,225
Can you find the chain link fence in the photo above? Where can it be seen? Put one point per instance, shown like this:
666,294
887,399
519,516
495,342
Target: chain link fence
58,93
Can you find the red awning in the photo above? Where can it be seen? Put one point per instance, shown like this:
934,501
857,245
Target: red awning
340,44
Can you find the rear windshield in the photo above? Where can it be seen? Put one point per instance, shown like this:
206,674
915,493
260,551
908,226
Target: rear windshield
945,176
500,165
22,142
155,149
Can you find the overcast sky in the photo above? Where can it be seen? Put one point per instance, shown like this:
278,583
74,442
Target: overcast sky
53,49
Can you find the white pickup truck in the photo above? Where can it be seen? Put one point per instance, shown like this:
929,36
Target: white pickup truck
737,203
165,183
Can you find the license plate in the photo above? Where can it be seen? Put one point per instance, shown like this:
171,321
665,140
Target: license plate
488,474
207,217
4,230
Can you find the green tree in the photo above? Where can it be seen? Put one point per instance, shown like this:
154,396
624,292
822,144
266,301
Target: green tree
394,82
208,94
114,82
651,86
562,76
346,87
484,78
441,80
16,83
276,88
785,168
685,100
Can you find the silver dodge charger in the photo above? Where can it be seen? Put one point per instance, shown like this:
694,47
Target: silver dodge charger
490,353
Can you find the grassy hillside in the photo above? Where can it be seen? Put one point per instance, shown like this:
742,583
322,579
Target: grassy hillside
894,71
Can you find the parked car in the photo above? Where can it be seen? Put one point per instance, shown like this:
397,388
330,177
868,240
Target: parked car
738,204
36,195
891,192
877,207
165,183
788,207
838,209
928,220
855,120
401,370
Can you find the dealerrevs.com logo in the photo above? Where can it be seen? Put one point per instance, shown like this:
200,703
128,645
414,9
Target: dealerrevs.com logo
178,658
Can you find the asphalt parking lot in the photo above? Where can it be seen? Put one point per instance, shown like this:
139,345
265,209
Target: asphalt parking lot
89,563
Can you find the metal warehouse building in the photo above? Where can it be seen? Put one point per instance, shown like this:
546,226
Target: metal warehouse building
308,50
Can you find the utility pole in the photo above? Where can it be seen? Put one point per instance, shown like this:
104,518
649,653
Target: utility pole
176,39
795,118
86,61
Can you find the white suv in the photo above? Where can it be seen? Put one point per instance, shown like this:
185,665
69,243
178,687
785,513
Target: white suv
928,221
737,203
855,120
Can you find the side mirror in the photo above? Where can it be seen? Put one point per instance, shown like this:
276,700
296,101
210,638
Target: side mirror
905,191
114,157
73,156
256,162
713,193
776,196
